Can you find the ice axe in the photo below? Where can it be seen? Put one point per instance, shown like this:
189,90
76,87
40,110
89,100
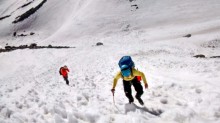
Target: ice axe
113,94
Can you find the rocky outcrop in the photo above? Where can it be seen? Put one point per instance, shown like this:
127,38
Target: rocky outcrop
28,13
187,36
31,46
99,44
1,18
199,56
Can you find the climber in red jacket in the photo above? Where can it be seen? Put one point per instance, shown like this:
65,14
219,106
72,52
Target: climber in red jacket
64,72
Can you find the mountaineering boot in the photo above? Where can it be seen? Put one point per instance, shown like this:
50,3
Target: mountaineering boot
139,100
131,100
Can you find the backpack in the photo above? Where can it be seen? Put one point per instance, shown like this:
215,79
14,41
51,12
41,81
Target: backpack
127,62
60,70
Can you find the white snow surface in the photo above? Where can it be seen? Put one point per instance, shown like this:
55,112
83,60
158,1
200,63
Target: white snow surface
185,88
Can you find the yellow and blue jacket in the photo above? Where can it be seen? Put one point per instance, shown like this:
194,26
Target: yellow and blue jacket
129,78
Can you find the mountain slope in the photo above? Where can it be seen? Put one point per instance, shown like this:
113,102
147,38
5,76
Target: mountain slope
185,88
72,20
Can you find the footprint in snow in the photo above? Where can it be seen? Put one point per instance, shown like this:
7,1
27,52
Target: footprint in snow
164,101
198,91
19,105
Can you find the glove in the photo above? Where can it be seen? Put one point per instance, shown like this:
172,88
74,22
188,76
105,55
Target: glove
113,90
146,86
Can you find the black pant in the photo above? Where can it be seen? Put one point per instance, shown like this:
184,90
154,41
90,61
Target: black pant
137,86
66,79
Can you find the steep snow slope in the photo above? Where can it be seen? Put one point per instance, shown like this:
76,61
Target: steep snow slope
186,89
46,21
58,20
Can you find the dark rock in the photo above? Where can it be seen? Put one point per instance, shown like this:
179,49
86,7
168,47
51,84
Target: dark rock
25,4
1,18
23,46
215,57
2,50
22,35
199,56
99,44
14,34
131,0
136,6
8,47
33,45
14,47
188,35
50,46
29,12
32,33
211,46
39,47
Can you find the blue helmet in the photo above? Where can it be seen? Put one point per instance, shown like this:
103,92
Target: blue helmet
125,70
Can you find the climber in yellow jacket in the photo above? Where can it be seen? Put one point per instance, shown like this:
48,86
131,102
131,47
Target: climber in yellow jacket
130,77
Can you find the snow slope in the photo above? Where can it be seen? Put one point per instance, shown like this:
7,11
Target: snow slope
185,88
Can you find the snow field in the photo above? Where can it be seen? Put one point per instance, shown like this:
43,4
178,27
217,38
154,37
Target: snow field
186,89
174,87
